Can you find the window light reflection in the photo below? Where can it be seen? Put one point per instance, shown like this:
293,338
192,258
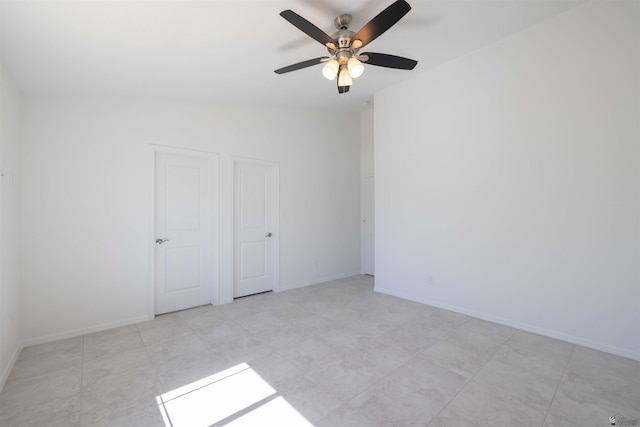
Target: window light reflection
237,396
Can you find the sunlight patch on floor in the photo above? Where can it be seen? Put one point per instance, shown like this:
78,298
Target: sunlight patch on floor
237,396
276,412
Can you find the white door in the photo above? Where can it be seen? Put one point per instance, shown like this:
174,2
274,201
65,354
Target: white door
254,220
369,226
183,232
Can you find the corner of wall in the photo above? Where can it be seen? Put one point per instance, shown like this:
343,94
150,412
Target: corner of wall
10,297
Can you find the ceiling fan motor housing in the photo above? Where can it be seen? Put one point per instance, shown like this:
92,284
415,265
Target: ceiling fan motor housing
343,36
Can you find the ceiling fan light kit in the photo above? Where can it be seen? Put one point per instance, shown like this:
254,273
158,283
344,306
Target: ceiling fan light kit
355,67
345,62
330,70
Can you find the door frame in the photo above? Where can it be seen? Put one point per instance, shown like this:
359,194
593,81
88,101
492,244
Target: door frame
215,223
235,160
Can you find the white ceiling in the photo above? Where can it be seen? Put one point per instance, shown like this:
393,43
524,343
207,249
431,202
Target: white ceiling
225,52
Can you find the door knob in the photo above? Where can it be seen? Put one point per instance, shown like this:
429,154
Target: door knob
161,241
268,235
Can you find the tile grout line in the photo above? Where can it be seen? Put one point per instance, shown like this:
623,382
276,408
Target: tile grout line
416,355
155,372
587,392
564,372
473,375
80,397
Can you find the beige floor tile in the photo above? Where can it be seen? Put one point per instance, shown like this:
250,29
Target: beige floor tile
262,322
449,418
103,401
532,360
438,383
390,403
487,407
344,377
554,421
382,357
603,383
243,350
446,316
56,411
584,409
338,353
309,399
284,336
373,325
162,320
205,321
292,313
131,362
598,360
195,312
527,343
343,338
456,357
308,353
532,389
33,390
223,334
404,342
147,414
185,368
106,344
276,370
314,324
164,352
109,333
166,331
48,357
65,345
347,416
412,337
499,332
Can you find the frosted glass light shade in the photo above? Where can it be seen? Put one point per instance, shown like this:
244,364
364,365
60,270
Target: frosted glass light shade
355,67
344,78
330,70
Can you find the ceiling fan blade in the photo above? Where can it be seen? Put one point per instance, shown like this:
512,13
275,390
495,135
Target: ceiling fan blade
308,28
303,64
388,61
382,22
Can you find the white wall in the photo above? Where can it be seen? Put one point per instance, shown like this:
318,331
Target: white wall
87,195
10,339
366,143
366,170
511,175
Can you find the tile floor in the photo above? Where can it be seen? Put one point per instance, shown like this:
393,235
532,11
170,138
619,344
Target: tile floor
334,354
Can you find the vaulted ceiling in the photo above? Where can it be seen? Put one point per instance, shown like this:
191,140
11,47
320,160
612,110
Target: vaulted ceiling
225,52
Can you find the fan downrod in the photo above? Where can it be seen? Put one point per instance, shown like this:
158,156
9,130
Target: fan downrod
342,22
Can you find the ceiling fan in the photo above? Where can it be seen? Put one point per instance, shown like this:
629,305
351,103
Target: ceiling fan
346,61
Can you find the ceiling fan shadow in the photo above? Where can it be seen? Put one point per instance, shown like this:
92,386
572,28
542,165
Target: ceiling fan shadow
295,44
323,6
419,22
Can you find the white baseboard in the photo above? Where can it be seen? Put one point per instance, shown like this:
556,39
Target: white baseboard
83,331
7,369
318,281
525,327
